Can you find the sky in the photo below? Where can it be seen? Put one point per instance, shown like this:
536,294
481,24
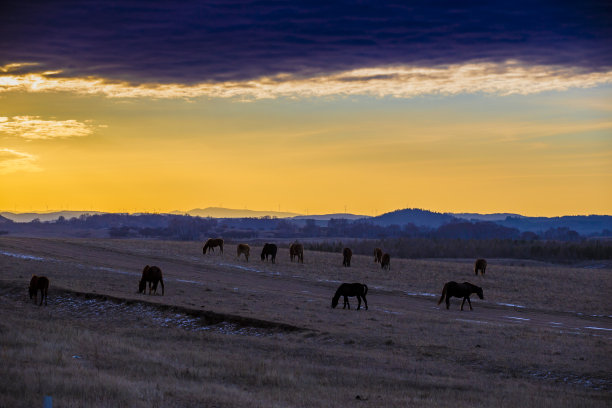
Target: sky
308,107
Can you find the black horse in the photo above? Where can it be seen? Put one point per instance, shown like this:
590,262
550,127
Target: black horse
151,275
347,254
269,250
464,290
39,283
351,289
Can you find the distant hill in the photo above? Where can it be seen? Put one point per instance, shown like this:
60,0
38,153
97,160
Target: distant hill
48,216
327,217
219,212
418,217
582,224
4,220
485,217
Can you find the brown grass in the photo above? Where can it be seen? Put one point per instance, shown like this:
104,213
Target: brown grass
135,350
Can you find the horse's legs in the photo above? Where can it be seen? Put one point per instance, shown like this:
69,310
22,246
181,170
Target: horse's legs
346,302
46,297
463,302
469,303
365,302
447,301
358,302
42,293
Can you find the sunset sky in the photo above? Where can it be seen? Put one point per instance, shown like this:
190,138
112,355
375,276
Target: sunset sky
305,107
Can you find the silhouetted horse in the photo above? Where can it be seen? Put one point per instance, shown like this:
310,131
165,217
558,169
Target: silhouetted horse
385,262
347,254
39,283
243,249
480,265
351,289
269,250
152,275
464,290
296,250
211,244
378,255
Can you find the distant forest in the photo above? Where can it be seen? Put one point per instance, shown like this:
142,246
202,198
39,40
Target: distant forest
456,238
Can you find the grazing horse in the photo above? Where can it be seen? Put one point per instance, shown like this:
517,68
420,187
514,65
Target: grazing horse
269,250
347,254
211,244
351,289
385,262
243,249
296,250
378,255
463,290
480,265
39,283
152,275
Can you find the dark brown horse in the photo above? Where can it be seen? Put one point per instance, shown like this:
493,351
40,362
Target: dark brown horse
243,249
385,262
347,254
378,253
39,283
269,250
464,290
359,290
152,275
211,244
480,265
296,250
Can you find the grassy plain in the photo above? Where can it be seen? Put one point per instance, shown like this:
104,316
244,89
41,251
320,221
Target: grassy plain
537,339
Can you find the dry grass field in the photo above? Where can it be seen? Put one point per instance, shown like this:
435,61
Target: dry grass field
228,333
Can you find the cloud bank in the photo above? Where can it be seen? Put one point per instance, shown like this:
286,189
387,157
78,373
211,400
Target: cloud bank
506,78
238,40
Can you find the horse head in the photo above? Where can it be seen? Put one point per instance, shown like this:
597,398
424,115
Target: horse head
335,301
479,292
142,286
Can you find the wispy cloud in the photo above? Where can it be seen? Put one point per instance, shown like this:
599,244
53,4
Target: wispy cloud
510,77
13,161
35,128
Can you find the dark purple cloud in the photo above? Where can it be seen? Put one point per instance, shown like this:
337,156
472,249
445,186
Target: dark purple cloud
168,41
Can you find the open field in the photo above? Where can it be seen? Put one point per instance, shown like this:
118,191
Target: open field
229,333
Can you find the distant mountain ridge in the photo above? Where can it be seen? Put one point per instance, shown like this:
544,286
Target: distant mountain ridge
220,212
582,224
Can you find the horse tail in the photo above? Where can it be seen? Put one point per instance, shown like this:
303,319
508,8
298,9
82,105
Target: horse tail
365,289
443,293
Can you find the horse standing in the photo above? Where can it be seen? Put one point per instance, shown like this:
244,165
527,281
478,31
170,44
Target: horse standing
243,249
296,250
347,254
464,290
269,250
360,290
152,275
378,253
39,283
211,243
480,265
385,262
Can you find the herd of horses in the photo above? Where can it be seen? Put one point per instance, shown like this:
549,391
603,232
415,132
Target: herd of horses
152,275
